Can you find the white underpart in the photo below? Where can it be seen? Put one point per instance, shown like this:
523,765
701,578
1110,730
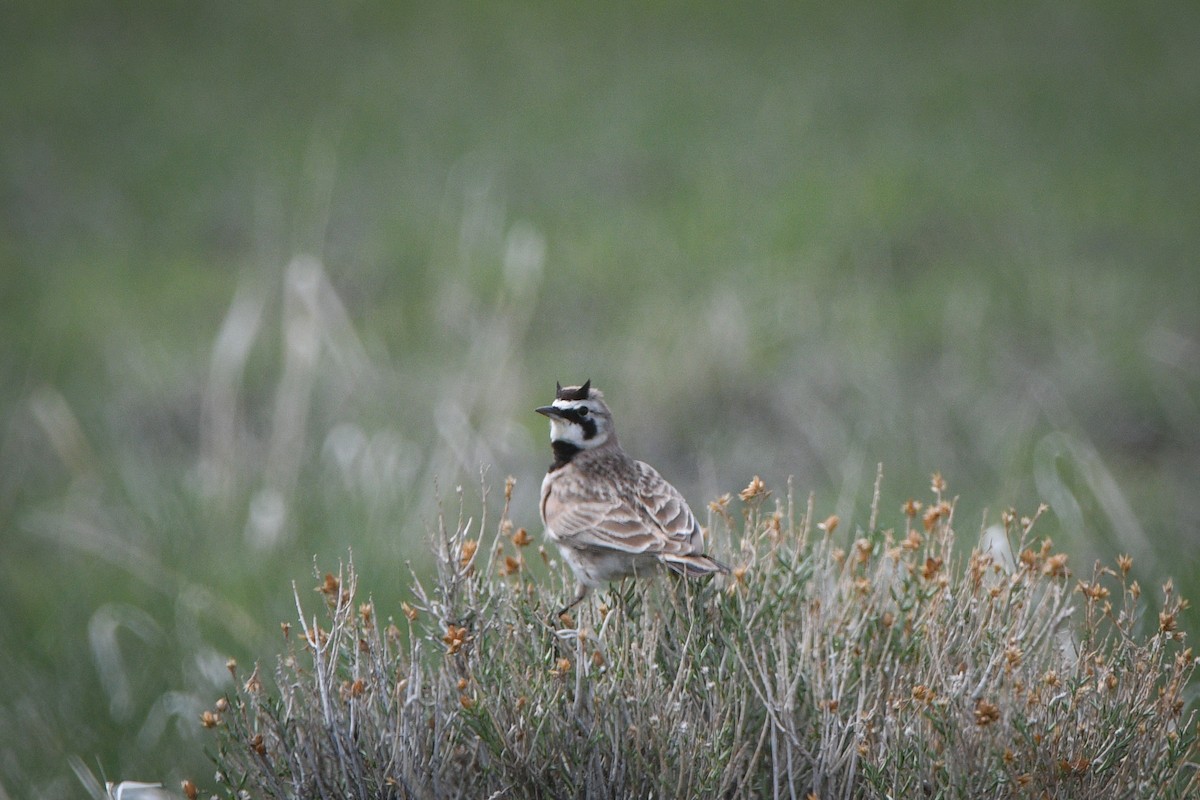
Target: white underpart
563,431
599,568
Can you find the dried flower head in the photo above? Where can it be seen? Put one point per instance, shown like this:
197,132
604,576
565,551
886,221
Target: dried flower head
1092,591
467,552
521,537
862,550
1013,656
739,578
939,511
1029,559
1055,566
454,638
978,566
756,488
986,713
1075,766
933,566
316,637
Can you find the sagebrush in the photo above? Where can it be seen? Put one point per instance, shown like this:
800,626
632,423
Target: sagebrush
829,665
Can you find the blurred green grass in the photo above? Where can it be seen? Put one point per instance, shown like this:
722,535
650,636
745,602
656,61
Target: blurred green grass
798,240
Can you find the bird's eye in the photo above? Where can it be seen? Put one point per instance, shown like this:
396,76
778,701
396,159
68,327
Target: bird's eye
583,411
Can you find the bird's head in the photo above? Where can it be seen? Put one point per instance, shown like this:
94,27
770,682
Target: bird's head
579,418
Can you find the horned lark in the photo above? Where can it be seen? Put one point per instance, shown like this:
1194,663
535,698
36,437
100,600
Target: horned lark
610,515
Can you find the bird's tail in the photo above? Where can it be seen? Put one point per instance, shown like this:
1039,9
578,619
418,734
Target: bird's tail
693,566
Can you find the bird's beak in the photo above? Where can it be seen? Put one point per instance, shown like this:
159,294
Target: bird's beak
549,411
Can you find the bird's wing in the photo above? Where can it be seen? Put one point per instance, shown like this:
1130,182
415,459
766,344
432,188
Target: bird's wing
598,517
669,512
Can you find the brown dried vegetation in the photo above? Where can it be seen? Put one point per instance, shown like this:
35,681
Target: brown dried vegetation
828,664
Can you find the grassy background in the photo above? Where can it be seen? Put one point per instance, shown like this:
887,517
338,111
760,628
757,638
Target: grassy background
784,241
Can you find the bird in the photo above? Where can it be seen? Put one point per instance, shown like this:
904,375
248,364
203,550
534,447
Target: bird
611,515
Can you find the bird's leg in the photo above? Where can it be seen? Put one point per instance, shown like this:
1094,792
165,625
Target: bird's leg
582,593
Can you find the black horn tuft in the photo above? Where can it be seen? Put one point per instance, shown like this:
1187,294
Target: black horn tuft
573,392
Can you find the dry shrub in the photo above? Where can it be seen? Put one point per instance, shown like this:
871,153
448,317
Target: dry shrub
872,664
